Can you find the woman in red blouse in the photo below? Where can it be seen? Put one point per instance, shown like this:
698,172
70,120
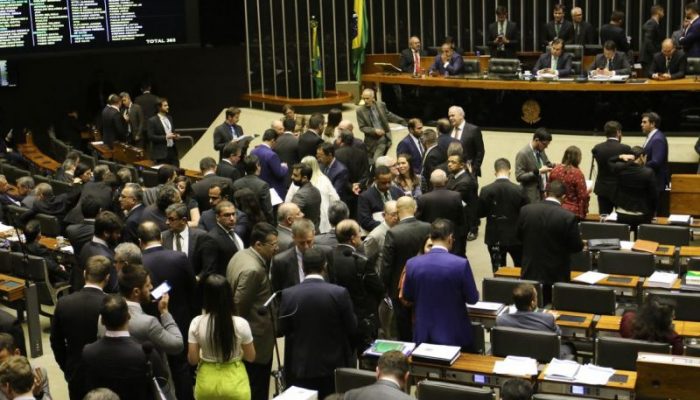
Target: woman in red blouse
653,322
568,172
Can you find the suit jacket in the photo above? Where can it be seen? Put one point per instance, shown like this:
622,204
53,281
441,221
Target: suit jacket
374,244
620,64
356,162
652,35
402,242
370,202
454,66
549,235
247,275
586,34
676,66
440,284
79,234
227,170
527,173
691,39
131,224
408,146
512,34
149,104
223,135
532,320
606,181
339,176
616,34
136,121
406,61
549,32
308,143
637,190
317,318
500,202
308,198
271,169
656,150
563,63
113,126
100,191
284,238
156,136
433,157
126,375
287,148
284,271
443,203
358,276
364,122
194,245
382,390
217,251
473,146
94,249
200,189
152,213
261,190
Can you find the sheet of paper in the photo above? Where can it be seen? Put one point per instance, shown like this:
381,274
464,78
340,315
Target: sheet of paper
67,249
589,184
516,366
297,393
594,375
436,351
275,198
378,216
97,143
679,218
662,279
626,245
5,228
590,277
486,305
612,217
561,369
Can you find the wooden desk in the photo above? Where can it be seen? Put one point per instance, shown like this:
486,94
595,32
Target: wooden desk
676,286
574,327
508,272
608,323
614,389
690,251
469,369
631,282
11,288
685,194
655,221
611,323
32,153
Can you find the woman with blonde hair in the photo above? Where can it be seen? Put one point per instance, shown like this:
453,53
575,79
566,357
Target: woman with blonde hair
324,185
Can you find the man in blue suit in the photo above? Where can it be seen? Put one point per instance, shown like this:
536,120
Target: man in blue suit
690,40
555,61
412,145
272,170
447,62
335,170
656,149
439,284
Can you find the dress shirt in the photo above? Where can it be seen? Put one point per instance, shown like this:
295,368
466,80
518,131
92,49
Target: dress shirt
300,263
167,127
418,144
118,333
90,285
437,246
95,239
185,244
457,131
553,64
554,199
314,276
649,136
416,62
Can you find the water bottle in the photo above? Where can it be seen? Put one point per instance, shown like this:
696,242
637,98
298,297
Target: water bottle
478,54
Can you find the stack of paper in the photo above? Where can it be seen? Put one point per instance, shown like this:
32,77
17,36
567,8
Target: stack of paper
626,245
679,219
5,228
516,366
594,375
692,278
297,393
662,279
561,370
434,353
612,217
485,307
67,249
590,277
380,347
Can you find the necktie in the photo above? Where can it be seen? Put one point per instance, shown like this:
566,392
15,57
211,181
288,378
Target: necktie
375,117
576,32
232,235
609,66
386,196
421,150
416,62
556,29
668,62
233,132
178,245
555,61
538,156
455,133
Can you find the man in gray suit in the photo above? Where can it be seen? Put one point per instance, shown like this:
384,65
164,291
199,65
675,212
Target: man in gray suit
392,375
373,120
181,237
133,115
532,165
247,275
287,213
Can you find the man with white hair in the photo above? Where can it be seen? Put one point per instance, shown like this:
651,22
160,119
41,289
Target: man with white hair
373,119
470,137
277,126
584,33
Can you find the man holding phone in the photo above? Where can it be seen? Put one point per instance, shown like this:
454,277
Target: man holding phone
503,35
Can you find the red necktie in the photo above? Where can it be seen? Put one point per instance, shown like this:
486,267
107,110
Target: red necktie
416,62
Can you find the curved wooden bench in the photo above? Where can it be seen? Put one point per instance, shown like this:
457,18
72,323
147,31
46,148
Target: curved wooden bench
330,98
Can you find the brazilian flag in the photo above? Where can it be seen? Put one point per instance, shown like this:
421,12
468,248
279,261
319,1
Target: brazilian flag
360,32
316,65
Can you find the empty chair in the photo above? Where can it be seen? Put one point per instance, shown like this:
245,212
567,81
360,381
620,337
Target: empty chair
353,378
471,66
479,343
604,230
500,290
576,68
50,226
504,66
692,350
436,390
581,261
693,67
621,353
694,264
34,269
626,263
686,304
584,299
542,346
576,51
665,234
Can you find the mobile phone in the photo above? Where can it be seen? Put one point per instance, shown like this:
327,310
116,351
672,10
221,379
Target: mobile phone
162,289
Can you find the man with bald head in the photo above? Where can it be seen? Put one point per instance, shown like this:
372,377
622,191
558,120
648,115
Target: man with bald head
410,57
373,119
287,214
277,126
669,63
470,137
443,203
584,33
402,242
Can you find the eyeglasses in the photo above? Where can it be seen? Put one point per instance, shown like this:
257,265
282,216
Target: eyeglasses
271,244
228,215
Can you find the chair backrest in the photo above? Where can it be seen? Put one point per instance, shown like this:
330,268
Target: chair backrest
479,342
500,290
576,68
694,264
50,226
504,66
5,262
19,266
471,66
692,350
41,178
592,49
581,298
604,230
60,187
626,263
541,346
576,51
149,177
436,390
13,173
14,212
110,164
581,261
38,273
621,353
353,378
686,304
88,160
693,67
665,234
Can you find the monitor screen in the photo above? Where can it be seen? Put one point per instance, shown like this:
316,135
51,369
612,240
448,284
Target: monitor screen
8,74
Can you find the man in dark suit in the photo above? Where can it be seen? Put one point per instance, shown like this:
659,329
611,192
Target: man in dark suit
287,266
532,165
500,202
443,203
221,243
135,123
108,230
308,141
74,324
433,157
613,31
690,39
113,125
373,119
335,170
162,136
272,169
287,214
558,27
448,62
611,62
669,63
584,32
412,144
549,235
463,182
131,203
252,181
308,197
200,189
555,61
337,211
317,318
288,144
409,60
355,159
402,242
392,377
32,236
470,137
372,200
652,35
229,132
606,181
503,35
174,268
48,203
440,284
228,166
81,233
182,238
101,188
148,102
656,149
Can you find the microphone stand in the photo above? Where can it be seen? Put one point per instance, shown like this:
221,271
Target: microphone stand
278,375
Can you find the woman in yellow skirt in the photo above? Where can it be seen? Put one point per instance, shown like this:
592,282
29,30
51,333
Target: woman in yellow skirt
218,341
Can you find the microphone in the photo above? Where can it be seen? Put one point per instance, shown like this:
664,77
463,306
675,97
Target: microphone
263,309
354,254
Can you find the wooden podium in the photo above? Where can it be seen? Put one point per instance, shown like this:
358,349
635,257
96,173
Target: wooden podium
685,194
665,376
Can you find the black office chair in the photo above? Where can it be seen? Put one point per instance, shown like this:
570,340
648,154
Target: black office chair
693,67
665,234
692,350
621,353
41,179
353,378
621,262
686,304
5,264
479,338
435,390
500,290
88,160
504,66
576,51
50,225
14,173
694,264
584,299
542,346
149,177
13,214
581,261
60,187
604,230
592,49
471,66
576,68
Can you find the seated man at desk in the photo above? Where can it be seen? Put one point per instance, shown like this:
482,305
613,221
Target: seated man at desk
554,61
32,235
669,63
611,62
447,62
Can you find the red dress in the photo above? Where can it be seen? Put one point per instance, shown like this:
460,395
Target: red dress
577,196
627,331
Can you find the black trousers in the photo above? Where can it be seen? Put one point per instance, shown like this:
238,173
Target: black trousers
605,205
170,158
181,373
259,378
498,255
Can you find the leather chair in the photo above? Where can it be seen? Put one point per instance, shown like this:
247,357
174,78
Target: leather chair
353,378
149,177
500,290
504,66
479,338
5,264
686,304
60,187
584,299
692,350
604,230
592,49
665,234
576,51
41,179
626,263
542,346
694,264
435,390
576,68
50,226
693,67
621,353
581,261
35,270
